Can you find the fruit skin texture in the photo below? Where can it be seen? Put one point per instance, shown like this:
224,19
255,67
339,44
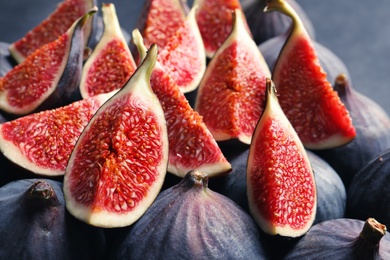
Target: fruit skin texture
190,221
111,63
281,188
49,77
368,194
41,142
56,24
308,99
34,224
372,126
191,145
231,94
6,63
344,239
119,162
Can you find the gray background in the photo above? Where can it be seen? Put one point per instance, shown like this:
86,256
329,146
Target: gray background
355,30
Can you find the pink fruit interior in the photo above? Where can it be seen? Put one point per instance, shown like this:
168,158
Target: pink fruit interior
27,82
116,161
283,186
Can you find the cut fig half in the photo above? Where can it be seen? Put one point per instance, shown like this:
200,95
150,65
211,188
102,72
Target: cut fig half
49,77
191,145
305,95
231,94
111,63
215,22
119,163
55,25
281,188
184,56
41,143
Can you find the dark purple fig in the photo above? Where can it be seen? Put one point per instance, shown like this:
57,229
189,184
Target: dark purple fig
329,61
372,126
34,224
6,60
368,194
265,26
344,239
190,221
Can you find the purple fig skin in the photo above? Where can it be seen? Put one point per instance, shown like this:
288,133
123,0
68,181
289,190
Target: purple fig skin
344,239
6,60
265,26
190,221
34,224
372,126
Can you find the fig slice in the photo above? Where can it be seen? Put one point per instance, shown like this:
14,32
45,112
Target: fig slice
281,188
184,56
56,24
119,163
41,143
49,77
191,145
215,22
305,95
111,63
231,94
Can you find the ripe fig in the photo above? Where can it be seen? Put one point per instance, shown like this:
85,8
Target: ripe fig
119,162
41,143
265,26
190,221
191,145
111,63
47,78
281,188
34,224
55,25
344,239
372,124
305,95
215,22
231,94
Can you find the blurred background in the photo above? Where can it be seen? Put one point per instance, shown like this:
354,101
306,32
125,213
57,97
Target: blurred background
357,31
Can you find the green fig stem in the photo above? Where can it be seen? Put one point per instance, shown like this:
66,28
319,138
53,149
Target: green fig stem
372,232
285,8
139,43
41,190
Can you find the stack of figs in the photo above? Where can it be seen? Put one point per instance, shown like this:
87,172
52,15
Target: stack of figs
211,129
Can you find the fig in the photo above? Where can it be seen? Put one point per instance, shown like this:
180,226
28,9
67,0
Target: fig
47,78
329,61
190,221
183,56
55,25
368,193
305,95
34,224
41,143
215,22
281,188
111,63
6,63
265,26
191,145
231,94
372,125
119,162
344,239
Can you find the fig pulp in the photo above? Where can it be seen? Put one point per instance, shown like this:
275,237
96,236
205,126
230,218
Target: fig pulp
34,224
111,63
191,145
281,188
231,94
47,78
190,221
119,162
41,143
55,25
308,99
